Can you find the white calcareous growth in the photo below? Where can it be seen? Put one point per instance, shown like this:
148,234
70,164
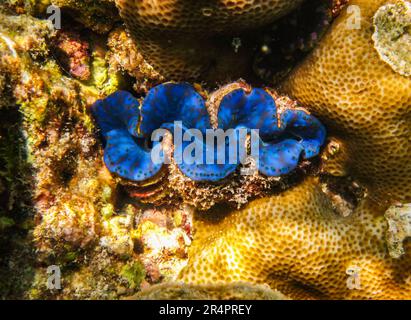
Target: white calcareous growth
399,228
392,36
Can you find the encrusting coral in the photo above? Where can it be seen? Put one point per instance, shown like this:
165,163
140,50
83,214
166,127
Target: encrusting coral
100,16
180,38
296,241
123,56
299,245
162,233
232,291
364,102
72,211
60,141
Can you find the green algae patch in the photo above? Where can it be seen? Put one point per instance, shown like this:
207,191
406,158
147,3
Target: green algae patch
134,273
6,223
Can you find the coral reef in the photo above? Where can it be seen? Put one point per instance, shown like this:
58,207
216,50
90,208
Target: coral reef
100,16
299,245
365,105
58,139
186,47
163,236
60,202
187,40
232,291
363,101
123,56
25,6
330,224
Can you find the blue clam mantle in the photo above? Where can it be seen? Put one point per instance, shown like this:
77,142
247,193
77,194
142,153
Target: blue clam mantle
284,137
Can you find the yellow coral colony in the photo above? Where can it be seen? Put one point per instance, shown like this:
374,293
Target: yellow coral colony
363,101
295,242
178,37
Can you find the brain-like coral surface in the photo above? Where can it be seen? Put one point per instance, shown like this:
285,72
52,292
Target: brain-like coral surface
203,16
297,244
179,36
365,103
296,241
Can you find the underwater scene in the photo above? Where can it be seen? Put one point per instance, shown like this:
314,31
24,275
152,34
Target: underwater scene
205,150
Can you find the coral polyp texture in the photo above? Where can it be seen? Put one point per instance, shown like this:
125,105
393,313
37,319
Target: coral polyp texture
363,100
205,16
283,137
186,39
299,245
303,188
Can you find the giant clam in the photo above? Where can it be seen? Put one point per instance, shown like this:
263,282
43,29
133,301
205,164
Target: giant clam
284,136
